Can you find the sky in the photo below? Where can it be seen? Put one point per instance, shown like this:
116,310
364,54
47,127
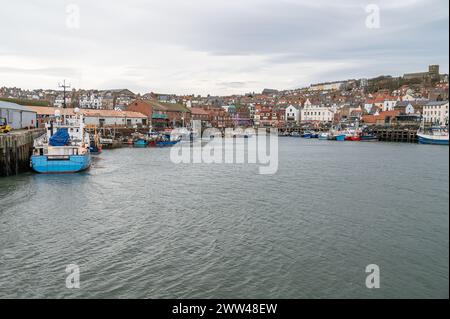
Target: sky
216,47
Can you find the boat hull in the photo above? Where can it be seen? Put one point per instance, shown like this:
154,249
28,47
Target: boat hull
95,150
166,144
340,138
140,143
430,140
369,139
71,164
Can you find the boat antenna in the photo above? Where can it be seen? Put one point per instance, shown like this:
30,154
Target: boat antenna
64,86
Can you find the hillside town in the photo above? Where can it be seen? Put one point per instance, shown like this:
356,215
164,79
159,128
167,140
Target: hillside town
406,100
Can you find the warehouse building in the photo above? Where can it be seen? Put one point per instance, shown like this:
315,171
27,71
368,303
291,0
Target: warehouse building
18,116
95,118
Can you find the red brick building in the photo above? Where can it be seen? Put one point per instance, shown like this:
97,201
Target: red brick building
162,115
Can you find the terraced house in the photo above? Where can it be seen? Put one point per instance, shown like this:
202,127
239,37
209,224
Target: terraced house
436,113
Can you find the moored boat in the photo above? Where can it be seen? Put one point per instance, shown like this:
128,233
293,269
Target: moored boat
166,140
307,135
340,137
369,138
140,143
433,136
64,148
355,138
95,149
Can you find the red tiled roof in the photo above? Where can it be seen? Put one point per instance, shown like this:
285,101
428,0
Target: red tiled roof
41,110
198,111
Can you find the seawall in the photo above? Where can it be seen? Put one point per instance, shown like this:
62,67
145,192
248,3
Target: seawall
15,151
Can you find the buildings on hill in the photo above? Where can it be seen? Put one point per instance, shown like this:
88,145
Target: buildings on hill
432,74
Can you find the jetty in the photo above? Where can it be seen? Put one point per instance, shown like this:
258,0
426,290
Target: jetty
396,134
16,149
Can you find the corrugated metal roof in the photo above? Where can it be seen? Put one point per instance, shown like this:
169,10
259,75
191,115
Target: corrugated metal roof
14,106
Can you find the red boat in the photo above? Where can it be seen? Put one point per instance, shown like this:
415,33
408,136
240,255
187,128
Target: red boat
355,138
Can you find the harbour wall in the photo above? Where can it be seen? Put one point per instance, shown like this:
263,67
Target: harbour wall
15,151
400,134
396,134
388,133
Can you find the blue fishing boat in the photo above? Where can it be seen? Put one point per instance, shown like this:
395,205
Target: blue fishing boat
167,140
140,143
340,137
166,143
64,148
307,135
95,150
433,136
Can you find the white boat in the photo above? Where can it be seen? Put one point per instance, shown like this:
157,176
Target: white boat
433,135
324,136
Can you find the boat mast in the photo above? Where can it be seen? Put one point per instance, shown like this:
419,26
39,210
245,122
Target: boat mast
64,86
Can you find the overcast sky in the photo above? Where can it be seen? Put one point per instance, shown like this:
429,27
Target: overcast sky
215,46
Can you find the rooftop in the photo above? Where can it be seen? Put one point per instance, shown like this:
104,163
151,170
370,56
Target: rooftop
40,110
14,106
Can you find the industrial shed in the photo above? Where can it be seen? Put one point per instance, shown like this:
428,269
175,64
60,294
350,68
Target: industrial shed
17,116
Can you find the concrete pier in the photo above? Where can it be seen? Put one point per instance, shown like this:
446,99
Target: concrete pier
16,149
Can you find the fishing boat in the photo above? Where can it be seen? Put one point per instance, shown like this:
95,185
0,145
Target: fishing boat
307,135
369,137
166,140
95,147
340,137
337,134
355,138
295,134
353,134
64,148
140,142
433,135
324,136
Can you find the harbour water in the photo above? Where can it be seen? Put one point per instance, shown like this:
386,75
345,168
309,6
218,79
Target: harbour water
139,226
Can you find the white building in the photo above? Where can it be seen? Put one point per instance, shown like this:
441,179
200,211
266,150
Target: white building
292,114
409,109
314,113
389,104
59,101
368,107
436,113
91,101
100,118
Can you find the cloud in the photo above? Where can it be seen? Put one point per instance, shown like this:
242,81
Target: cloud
217,47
